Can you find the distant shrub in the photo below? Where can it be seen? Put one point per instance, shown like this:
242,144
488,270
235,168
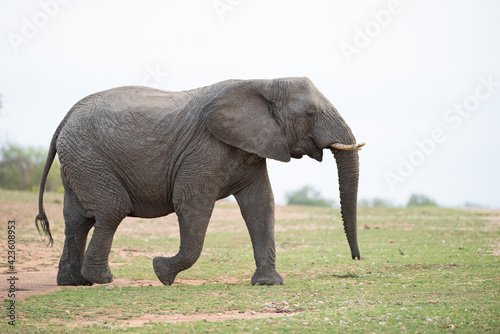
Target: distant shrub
472,205
375,203
308,196
21,169
420,200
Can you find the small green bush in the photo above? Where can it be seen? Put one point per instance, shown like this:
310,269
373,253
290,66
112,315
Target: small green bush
420,200
307,195
21,169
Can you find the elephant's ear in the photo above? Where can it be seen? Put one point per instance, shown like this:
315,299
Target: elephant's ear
241,116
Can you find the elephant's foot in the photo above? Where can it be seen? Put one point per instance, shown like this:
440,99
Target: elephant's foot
72,278
163,269
267,277
100,274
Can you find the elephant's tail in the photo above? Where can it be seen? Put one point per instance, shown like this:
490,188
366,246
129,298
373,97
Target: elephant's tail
42,217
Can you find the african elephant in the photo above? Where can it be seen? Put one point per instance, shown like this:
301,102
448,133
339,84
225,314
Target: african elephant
143,152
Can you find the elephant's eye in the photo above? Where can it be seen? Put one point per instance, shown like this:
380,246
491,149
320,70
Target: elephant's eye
310,114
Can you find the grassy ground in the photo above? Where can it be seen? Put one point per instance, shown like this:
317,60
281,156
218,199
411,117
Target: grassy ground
423,270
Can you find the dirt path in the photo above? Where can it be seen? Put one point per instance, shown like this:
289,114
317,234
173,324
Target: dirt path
36,264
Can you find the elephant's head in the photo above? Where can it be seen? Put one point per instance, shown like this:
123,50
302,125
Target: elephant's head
288,118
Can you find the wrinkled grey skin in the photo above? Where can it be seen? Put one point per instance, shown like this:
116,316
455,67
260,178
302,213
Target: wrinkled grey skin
143,152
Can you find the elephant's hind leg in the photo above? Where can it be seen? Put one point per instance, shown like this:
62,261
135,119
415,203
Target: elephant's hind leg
109,203
76,229
95,264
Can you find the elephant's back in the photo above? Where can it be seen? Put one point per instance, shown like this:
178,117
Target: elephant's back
126,111
138,100
122,122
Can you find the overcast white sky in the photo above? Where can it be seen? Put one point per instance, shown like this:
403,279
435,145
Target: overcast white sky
419,80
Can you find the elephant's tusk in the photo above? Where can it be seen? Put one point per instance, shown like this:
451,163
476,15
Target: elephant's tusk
344,147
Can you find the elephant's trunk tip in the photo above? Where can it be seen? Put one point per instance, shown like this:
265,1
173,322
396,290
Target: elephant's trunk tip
353,244
345,147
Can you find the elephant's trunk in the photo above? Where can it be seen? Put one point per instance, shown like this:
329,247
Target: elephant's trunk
348,172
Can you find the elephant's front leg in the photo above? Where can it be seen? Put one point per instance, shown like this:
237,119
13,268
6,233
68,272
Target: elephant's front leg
257,207
193,222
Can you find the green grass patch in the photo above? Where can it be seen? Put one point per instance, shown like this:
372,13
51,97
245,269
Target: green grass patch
422,270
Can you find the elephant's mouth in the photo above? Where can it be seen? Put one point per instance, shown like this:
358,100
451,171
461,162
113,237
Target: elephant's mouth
313,150
307,146
344,147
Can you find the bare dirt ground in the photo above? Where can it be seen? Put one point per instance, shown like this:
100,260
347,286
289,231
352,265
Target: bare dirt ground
36,264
